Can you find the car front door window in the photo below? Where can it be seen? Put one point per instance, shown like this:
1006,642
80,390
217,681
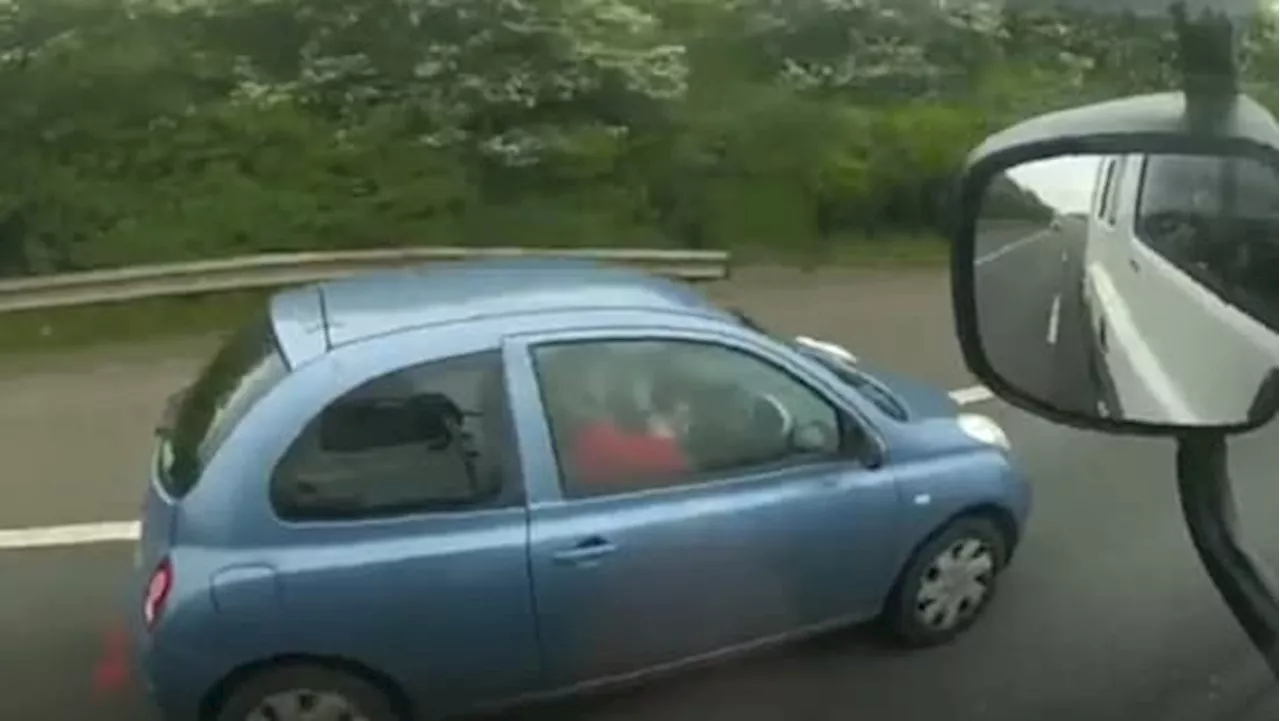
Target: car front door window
675,412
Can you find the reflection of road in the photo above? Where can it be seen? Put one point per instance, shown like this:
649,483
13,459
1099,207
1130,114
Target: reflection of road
1031,314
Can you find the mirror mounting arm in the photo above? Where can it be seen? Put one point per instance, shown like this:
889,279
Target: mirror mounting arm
1206,60
1208,505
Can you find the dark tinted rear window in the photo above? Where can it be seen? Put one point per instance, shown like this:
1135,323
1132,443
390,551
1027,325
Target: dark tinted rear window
243,370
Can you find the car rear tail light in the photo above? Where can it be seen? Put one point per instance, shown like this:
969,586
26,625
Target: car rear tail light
157,594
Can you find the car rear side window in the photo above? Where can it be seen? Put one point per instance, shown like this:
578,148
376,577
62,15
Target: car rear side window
430,437
245,368
1116,182
1104,191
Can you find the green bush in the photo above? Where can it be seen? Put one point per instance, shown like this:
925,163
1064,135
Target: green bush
163,130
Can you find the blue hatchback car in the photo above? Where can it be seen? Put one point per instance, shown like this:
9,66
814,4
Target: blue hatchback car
422,492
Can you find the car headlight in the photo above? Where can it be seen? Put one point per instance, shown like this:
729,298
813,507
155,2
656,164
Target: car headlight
983,430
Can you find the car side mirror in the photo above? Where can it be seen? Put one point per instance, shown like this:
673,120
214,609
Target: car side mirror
859,445
1118,320
1164,345
870,453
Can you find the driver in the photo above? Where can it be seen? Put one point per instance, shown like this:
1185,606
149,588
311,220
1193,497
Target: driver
670,411
626,441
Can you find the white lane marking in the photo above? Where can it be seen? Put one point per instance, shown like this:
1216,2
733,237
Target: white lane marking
77,534
1054,310
983,260
82,534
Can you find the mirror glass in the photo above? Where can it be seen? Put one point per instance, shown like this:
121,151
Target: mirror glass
1137,288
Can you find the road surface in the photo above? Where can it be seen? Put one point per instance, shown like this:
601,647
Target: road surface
1030,314
1105,615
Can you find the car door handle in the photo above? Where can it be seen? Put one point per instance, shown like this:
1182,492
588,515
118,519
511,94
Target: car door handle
1134,265
589,549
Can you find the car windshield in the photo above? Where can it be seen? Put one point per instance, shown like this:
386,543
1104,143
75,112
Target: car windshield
296,545
868,387
244,369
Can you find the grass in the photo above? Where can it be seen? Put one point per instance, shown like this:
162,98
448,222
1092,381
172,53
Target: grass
74,328
885,251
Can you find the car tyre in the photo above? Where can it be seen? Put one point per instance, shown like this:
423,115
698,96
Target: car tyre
292,692
948,582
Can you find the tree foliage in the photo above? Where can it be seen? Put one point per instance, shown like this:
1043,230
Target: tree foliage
152,130
1006,199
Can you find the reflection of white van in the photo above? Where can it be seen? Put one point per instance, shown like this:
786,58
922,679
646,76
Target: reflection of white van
1183,332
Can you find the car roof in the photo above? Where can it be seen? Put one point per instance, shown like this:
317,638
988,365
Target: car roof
381,302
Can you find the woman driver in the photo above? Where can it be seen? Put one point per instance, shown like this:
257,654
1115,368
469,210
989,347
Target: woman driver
626,443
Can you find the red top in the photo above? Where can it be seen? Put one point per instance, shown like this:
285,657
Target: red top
602,451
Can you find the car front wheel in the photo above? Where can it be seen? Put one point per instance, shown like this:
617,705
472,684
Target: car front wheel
948,582
304,693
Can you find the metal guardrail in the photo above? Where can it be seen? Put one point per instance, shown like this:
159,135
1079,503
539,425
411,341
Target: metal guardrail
277,270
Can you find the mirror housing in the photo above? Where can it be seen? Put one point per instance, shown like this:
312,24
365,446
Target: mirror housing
860,445
1268,396
1146,124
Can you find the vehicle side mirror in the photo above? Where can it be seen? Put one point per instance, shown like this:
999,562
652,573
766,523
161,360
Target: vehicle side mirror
856,443
1131,313
1264,402
1162,344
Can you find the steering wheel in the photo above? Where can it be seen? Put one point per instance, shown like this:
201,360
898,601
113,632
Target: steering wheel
737,420
769,417
729,424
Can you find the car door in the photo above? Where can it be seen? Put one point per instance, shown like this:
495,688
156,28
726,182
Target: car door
403,545
1180,291
668,566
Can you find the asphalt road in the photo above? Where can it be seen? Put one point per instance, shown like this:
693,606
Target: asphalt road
1105,615
1030,315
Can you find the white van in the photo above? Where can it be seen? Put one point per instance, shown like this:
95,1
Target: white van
1183,332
